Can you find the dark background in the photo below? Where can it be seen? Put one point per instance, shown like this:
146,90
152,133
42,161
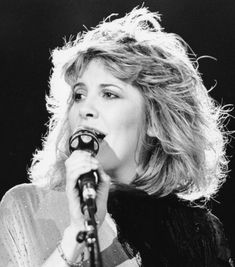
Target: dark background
30,29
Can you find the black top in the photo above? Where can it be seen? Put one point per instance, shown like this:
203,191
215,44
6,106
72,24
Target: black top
168,231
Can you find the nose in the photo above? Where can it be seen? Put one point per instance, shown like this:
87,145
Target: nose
88,110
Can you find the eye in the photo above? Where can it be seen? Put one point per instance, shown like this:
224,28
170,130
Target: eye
78,96
110,95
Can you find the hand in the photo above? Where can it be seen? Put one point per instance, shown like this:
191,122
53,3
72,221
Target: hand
81,162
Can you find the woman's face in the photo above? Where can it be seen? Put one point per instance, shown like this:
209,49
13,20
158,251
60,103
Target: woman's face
115,108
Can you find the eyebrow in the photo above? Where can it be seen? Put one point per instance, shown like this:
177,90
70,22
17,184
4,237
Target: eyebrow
78,84
102,85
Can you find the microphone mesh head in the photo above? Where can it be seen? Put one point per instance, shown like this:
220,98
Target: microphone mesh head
84,140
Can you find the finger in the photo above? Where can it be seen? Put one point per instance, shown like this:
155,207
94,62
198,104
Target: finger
77,156
74,173
78,161
104,183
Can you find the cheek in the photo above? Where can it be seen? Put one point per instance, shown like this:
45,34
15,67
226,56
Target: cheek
133,117
128,123
72,118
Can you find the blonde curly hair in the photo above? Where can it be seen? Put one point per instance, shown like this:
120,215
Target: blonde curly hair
186,155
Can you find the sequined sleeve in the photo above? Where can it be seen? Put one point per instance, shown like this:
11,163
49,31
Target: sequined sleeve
16,234
12,251
32,221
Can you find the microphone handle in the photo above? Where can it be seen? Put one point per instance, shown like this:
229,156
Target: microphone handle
87,185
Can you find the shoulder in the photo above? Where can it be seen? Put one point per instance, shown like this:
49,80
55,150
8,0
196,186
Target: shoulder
170,227
125,201
20,202
19,189
31,197
197,233
21,193
28,199
126,204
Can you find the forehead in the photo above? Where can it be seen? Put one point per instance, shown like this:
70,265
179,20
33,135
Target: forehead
94,66
96,70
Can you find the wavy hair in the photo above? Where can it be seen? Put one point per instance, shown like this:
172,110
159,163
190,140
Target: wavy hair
186,154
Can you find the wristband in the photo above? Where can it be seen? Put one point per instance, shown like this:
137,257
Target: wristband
69,263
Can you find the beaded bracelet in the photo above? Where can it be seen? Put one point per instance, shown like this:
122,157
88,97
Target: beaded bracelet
69,263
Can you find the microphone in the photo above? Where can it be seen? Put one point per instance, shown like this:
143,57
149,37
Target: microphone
86,140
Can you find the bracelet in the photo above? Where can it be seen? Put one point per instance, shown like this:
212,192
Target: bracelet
69,263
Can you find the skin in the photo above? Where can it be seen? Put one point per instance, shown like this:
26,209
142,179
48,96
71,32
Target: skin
116,108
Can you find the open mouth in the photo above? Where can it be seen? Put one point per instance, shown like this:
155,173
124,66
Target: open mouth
98,134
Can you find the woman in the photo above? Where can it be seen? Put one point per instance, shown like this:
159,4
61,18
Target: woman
162,156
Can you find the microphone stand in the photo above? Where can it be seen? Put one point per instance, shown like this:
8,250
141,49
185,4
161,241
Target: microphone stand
87,140
90,235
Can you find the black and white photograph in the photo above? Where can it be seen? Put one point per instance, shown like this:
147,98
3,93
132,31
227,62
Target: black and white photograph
118,133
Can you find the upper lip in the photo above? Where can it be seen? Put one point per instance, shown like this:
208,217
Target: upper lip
100,134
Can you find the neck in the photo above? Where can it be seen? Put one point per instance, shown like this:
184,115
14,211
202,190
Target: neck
124,175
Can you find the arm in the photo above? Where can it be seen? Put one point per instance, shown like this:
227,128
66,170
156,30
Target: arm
71,248
78,163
